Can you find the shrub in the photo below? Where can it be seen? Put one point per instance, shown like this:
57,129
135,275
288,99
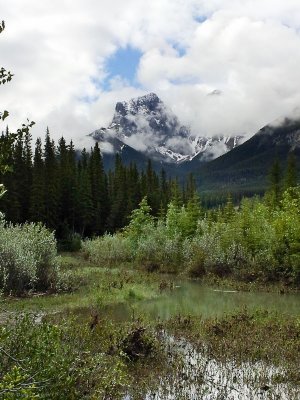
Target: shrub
28,258
68,281
63,361
156,249
139,343
150,248
140,221
194,258
108,249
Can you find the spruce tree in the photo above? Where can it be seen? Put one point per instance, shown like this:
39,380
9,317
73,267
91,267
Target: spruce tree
291,172
273,194
84,202
99,190
118,216
37,206
51,193
27,188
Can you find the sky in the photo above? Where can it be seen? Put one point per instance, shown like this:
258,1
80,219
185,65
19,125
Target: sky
223,66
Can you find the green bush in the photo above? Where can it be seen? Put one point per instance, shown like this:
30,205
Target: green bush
194,258
150,248
108,249
255,242
64,361
28,258
156,248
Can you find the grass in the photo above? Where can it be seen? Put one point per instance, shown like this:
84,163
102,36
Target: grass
246,337
109,358
94,286
232,283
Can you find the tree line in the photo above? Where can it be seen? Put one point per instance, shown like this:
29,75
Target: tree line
71,192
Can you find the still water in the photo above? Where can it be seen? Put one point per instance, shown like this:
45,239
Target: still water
205,377
193,298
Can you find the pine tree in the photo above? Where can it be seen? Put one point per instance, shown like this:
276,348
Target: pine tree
27,188
119,201
274,192
37,208
17,199
51,193
99,190
133,188
194,213
84,204
291,172
176,194
228,209
190,187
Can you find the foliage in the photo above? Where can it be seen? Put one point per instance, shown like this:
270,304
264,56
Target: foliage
7,141
74,194
252,338
28,258
108,249
140,221
258,241
67,359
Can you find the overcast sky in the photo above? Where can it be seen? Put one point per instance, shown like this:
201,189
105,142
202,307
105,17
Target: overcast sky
223,66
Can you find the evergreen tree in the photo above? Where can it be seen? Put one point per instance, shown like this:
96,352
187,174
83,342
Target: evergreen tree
133,188
118,211
274,193
228,209
291,172
190,187
194,213
37,208
17,197
27,188
99,190
51,193
84,205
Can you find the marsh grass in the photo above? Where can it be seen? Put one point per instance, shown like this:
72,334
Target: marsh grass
262,347
66,359
236,356
95,286
231,283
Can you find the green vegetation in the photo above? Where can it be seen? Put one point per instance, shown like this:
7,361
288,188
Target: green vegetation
246,337
71,359
84,285
259,241
8,140
27,258
72,194
100,358
57,337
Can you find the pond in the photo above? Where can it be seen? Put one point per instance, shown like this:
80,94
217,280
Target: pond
193,298
200,376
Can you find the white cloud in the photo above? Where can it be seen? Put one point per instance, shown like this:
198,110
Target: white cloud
249,50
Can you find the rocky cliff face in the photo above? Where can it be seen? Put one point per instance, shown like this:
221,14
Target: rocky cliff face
147,125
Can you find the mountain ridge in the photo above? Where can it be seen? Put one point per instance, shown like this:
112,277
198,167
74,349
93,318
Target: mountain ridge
248,165
147,125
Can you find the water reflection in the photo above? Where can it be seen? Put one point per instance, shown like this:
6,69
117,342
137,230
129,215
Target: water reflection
192,298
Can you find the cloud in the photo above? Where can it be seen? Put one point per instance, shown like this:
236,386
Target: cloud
180,145
246,52
216,150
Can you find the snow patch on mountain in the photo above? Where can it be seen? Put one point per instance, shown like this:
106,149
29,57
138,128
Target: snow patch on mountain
146,124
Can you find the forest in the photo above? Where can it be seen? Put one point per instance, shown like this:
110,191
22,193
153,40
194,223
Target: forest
70,192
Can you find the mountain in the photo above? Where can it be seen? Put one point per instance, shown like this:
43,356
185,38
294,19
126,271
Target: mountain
246,167
146,126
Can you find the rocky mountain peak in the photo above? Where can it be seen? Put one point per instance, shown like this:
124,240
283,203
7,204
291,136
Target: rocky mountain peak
146,124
